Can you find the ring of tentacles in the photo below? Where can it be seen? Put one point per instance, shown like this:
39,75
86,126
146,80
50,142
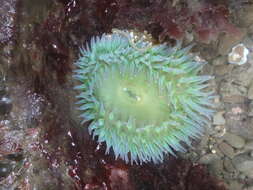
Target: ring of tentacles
142,104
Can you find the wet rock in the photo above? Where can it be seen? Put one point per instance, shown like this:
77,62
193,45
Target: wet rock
2,89
251,153
238,55
241,176
228,41
204,141
234,99
220,70
248,42
233,92
5,107
218,118
217,151
250,109
249,173
226,149
234,140
226,175
245,15
249,188
243,163
218,103
8,168
228,165
220,60
208,52
235,185
249,145
250,57
216,167
208,69
250,92
208,158
242,126
250,29
5,169
220,130
7,10
189,37
243,75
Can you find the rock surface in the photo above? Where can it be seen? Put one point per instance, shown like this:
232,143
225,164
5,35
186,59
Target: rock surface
208,158
228,41
218,118
249,145
250,91
227,149
234,140
243,163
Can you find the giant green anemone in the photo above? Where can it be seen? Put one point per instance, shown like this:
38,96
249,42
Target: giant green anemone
142,102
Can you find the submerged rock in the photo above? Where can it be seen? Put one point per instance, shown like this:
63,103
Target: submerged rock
243,163
234,140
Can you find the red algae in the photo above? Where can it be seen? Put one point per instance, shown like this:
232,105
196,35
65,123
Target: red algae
175,174
167,20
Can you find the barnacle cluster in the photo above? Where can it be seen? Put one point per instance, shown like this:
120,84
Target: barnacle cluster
142,102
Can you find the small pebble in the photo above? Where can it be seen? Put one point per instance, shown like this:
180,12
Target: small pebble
243,163
251,153
5,108
250,91
216,167
208,158
219,60
5,169
249,145
218,118
226,149
228,165
238,55
217,151
234,140
235,185
220,130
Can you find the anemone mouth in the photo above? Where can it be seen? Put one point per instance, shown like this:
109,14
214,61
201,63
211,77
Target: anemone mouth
132,93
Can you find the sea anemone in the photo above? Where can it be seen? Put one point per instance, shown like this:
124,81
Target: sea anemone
142,100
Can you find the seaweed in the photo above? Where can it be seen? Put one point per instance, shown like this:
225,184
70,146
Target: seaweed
173,19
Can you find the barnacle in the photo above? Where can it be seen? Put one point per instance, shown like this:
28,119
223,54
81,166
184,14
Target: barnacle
142,104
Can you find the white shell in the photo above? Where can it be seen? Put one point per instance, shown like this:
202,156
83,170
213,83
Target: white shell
238,55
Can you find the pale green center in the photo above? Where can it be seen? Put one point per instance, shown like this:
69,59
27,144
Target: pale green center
133,95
